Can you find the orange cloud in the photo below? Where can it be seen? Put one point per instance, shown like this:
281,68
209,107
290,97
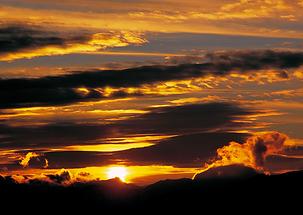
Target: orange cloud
252,153
195,100
299,73
28,157
242,9
25,161
140,175
215,16
94,43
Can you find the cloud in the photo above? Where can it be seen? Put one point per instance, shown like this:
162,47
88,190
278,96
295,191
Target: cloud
31,97
172,120
92,85
201,129
252,153
34,159
188,118
62,177
27,42
78,159
56,177
25,161
255,60
16,38
277,18
181,151
284,163
52,135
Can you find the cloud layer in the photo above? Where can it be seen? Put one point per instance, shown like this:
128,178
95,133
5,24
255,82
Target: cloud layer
197,130
27,42
91,85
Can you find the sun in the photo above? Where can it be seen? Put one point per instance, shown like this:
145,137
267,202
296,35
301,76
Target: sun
117,172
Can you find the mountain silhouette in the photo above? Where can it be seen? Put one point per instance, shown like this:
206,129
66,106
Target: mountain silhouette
250,189
227,172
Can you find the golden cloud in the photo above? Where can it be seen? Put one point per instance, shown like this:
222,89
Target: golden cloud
252,153
25,161
181,17
29,156
96,42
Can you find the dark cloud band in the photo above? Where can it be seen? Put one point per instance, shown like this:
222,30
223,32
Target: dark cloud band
164,121
63,89
17,38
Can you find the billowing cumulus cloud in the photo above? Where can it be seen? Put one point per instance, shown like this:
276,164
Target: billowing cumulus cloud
35,159
252,153
25,161
92,85
62,177
25,42
57,177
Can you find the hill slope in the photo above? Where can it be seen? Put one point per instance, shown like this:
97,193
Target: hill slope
113,195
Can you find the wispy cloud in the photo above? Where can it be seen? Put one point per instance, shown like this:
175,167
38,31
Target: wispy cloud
29,42
275,18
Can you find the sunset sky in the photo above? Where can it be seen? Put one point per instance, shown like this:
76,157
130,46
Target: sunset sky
147,90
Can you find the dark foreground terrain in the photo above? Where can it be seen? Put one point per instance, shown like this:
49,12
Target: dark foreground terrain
214,192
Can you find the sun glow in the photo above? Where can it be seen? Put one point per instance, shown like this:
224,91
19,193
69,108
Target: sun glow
117,172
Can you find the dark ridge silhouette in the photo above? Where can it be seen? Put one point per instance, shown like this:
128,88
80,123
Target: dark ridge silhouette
226,172
271,192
